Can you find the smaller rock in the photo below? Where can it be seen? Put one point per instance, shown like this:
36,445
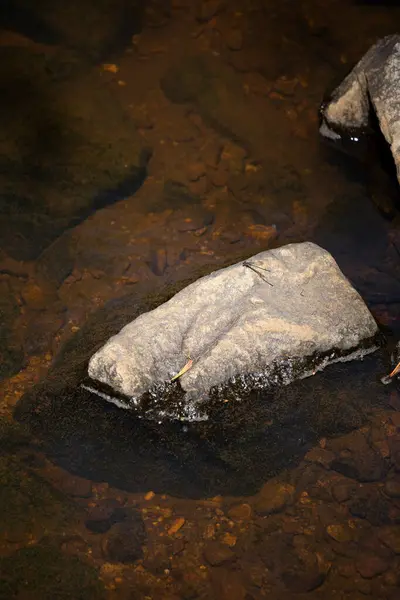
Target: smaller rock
371,566
159,261
257,84
339,533
370,504
228,236
38,297
257,573
395,418
209,531
285,86
217,554
304,572
219,177
291,525
73,486
237,183
363,586
370,543
343,491
102,517
234,39
390,536
16,533
392,579
207,9
233,157
142,119
125,540
195,171
274,497
328,514
176,526
229,539
199,188
357,460
189,224
392,487
262,233
157,560
74,545
346,570
177,546
240,512
320,456
210,153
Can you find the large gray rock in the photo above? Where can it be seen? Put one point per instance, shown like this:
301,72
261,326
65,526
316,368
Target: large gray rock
282,315
373,85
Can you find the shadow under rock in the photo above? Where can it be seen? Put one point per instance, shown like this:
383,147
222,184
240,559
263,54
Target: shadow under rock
358,237
233,453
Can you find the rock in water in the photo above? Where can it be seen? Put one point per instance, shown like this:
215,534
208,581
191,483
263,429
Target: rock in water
372,86
281,315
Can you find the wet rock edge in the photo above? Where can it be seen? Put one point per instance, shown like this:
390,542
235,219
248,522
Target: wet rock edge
176,404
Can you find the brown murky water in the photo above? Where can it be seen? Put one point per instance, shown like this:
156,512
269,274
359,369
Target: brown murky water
193,145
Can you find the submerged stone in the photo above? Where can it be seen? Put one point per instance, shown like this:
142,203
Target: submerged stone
280,316
108,25
64,154
125,540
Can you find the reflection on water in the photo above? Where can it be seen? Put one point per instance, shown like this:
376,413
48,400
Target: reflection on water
291,494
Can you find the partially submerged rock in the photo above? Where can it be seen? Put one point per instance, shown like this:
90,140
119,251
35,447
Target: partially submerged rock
280,316
94,439
371,88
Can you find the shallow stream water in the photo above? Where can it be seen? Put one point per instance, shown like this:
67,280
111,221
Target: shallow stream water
125,173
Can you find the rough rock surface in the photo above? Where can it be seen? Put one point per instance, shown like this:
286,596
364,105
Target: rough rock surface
372,84
282,315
